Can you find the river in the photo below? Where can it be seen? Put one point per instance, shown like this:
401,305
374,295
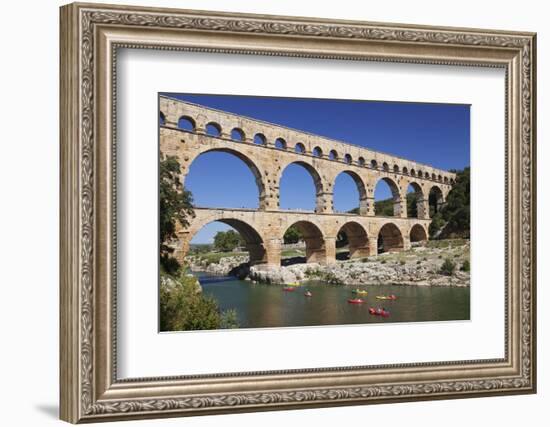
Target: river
259,305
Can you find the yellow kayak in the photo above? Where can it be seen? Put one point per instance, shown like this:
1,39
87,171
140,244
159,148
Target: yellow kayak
360,292
294,284
388,297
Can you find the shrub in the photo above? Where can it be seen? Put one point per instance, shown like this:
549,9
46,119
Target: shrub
448,267
465,266
383,261
184,308
418,262
402,262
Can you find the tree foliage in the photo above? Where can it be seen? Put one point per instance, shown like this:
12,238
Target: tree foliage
456,211
226,241
175,207
183,307
292,235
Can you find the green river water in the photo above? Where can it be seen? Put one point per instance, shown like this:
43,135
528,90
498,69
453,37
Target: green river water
260,306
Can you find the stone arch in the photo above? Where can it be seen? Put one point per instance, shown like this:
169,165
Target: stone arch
260,139
405,171
357,239
418,234
361,161
280,143
361,189
213,129
395,169
299,148
419,207
373,164
396,195
434,177
317,182
317,152
187,123
313,238
413,172
390,238
252,238
162,118
249,162
348,159
333,155
436,199
237,134
385,167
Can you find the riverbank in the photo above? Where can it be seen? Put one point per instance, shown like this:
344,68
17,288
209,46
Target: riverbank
419,266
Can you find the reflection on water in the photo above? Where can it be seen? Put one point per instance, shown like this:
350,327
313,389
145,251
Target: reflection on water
259,305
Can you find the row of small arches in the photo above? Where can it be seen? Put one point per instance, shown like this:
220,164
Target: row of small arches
187,123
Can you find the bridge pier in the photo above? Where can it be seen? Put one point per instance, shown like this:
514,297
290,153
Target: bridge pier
273,252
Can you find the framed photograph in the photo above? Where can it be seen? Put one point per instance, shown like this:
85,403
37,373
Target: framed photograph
267,212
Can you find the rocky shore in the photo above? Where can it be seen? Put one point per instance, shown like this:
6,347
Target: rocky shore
420,266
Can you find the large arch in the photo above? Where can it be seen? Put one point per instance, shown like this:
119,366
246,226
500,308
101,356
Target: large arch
356,238
390,238
435,200
415,207
317,181
314,240
253,240
247,161
418,234
395,196
361,189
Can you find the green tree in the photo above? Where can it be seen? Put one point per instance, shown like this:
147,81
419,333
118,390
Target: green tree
412,210
384,207
456,211
183,307
437,223
292,235
226,241
175,207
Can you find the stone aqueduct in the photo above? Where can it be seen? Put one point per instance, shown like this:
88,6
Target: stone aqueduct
188,130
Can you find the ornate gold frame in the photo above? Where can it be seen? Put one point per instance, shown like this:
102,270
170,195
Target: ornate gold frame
90,36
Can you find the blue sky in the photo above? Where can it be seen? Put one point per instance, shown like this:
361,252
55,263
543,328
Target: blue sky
434,134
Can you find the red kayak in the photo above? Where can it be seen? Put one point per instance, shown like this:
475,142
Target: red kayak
379,312
289,289
356,301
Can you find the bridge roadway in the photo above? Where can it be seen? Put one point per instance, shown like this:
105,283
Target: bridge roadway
263,232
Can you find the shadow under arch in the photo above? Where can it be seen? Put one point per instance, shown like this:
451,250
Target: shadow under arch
396,195
361,189
317,182
390,238
418,234
253,240
355,236
247,161
416,208
436,200
313,237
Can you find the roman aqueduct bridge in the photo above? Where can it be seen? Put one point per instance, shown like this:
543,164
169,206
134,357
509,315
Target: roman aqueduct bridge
188,130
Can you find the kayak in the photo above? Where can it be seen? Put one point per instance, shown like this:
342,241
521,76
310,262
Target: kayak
387,297
355,301
359,292
289,289
379,312
308,294
294,284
